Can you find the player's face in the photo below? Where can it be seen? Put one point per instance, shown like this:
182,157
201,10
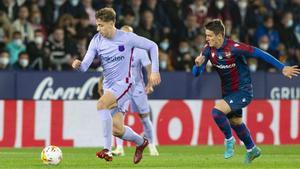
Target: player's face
212,39
105,28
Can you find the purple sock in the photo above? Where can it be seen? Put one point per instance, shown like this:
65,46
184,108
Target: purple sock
222,122
244,135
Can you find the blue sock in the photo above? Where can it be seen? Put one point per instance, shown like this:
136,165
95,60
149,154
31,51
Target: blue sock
222,122
244,135
148,128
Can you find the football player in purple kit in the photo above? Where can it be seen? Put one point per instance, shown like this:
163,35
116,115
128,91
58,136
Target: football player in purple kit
114,48
229,59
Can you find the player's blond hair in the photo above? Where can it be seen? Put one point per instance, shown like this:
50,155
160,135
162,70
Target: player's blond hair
106,14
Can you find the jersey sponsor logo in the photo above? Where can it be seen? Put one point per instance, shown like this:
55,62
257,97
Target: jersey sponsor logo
114,59
225,66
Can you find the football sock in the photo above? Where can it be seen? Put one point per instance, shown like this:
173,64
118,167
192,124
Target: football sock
222,122
148,128
244,135
106,128
130,135
119,142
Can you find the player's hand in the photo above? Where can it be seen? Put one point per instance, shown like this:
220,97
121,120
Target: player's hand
199,59
155,78
290,71
76,64
149,89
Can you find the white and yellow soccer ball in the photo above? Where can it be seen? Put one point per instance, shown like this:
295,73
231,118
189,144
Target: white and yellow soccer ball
51,155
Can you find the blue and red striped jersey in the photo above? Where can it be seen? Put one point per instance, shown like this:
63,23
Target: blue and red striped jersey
230,62
231,65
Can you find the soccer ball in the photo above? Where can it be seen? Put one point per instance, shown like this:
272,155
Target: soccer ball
51,155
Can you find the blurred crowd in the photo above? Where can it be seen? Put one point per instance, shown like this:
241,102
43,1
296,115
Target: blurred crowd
49,34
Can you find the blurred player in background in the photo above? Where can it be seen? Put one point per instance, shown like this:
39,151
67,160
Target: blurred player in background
139,98
229,59
115,48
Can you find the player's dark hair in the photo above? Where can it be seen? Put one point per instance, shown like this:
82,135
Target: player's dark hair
217,26
106,14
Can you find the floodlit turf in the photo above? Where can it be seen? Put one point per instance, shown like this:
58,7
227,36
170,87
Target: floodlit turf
181,157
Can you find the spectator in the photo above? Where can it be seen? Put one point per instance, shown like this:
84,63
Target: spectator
60,51
135,6
67,22
4,60
264,44
286,31
147,27
36,51
15,47
87,4
175,11
219,9
190,28
36,19
246,21
268,29
51,13
165,63
10,8
182,58
128,18
161,20
23,62
5,29
199,9
83,28
73,7
23,25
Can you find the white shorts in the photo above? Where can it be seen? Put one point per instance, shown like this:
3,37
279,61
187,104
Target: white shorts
139,99
122,92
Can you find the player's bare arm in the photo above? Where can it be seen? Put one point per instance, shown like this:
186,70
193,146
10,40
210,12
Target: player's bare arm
290,71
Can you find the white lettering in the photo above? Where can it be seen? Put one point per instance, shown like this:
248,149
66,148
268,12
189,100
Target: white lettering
225,66
285,93
45,90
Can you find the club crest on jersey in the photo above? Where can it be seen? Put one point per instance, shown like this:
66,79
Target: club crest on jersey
121,48
228,54
220,57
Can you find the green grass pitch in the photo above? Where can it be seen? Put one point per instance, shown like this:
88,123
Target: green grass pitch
181,157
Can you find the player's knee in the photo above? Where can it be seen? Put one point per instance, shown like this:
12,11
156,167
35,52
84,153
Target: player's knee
118,131
144,115
223,107
101,105
236,120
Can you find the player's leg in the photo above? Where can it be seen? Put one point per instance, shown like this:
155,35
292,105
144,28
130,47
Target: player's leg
103,107
219,113
119,150
139,103
126,133
243,133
